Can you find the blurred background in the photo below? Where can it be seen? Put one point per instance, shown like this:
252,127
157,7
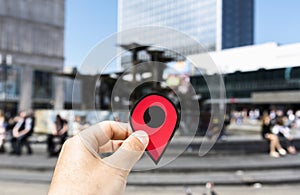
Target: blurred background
255,45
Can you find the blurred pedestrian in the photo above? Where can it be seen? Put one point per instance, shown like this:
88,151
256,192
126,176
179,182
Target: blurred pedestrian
268,135
284,132
2,131
188,190
60,132
210,189
297,120
227,121
78,125
21,132
117,119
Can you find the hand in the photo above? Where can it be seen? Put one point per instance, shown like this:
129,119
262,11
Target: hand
79,169
290,138
54,132
15,134
59,132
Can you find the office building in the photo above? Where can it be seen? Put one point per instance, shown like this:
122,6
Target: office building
215,24
32,38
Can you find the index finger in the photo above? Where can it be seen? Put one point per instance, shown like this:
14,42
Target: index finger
99,134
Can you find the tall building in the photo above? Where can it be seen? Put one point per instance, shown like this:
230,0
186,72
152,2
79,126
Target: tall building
216,24
32,34
237,23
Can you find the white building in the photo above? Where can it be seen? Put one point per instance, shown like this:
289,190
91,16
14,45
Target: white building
251,58
261,74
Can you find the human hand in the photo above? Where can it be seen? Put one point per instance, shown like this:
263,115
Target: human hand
80,170
59,132
54,132
15,134
290,138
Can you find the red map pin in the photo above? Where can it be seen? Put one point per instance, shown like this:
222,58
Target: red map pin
158,117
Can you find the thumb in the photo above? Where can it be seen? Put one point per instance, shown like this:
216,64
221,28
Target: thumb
130,151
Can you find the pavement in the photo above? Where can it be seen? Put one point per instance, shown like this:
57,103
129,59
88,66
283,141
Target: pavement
231,172
222,170
13,188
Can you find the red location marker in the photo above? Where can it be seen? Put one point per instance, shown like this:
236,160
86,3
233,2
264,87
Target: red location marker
158,117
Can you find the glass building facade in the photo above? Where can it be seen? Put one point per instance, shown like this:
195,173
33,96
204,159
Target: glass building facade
243,84
215,24
9,82
237,23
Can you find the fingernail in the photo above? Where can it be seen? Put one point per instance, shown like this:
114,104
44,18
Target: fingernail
142,136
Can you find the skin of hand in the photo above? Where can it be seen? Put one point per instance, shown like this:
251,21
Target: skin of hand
15,132
16,135
23,132
63,130
54,132
80,170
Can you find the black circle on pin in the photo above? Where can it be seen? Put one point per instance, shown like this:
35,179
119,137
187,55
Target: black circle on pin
154,116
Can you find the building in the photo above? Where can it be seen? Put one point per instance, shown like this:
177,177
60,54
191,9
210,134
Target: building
262,75
216,24
32,35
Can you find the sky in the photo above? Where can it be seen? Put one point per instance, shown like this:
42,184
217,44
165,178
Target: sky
87,24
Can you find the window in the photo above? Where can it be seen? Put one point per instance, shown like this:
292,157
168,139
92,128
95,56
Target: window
43,85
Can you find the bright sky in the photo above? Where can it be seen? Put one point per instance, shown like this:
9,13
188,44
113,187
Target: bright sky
89,22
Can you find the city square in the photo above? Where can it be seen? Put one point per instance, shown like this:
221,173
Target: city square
190,97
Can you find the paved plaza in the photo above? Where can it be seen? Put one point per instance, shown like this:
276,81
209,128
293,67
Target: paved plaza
231,173
13,188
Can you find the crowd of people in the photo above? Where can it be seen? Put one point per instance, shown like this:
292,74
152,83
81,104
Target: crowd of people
276,126
17,131
254,115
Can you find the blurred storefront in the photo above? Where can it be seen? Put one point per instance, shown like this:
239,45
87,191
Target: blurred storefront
261,76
